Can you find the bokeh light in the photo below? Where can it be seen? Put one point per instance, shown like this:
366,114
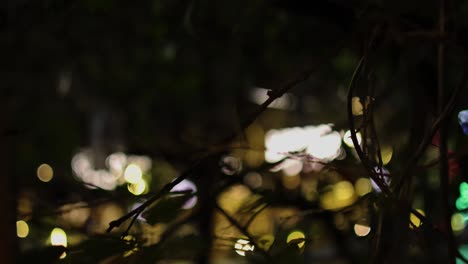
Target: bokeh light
462,201
133,174
260,95
386,154
458,222
22,229
349,141
137,188
45,173
415,221
340,195
121,169
297,234
312,143
363,186
362,229
291,182
357,108
243,245
58,237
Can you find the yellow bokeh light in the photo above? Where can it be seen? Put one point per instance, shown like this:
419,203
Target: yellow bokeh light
45,173
458,222
137,188
296,235
22,229
291,182
133,173
415,221
243,245
341,195
348,141
58,237
361,229
343,190
356,106
387,154
363,186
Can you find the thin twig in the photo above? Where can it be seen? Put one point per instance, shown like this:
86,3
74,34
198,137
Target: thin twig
244,231
272,95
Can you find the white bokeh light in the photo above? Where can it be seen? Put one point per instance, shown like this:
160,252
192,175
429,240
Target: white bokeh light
321,143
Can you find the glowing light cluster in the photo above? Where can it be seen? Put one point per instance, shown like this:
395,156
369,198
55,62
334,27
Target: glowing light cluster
318,142
243,245
120,169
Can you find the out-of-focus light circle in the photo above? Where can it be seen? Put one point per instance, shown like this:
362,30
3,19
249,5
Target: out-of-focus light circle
45,173
58,237
348,140
137,188
361,229
363,186
253,180
243,245
415,221
296,235
187,185
343,190
291,182
387,154
133,173
458,222
22,229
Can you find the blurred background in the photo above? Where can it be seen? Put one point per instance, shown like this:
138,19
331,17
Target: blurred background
104,102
